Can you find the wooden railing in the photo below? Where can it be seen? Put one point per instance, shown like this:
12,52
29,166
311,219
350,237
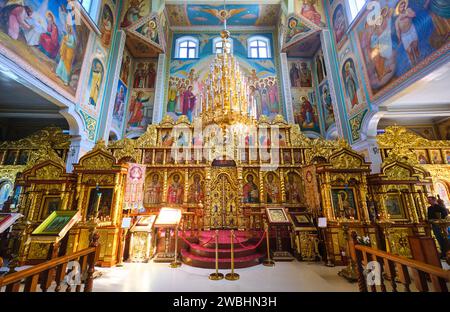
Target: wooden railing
56,271
396,269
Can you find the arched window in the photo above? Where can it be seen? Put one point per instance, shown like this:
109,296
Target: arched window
259,47
186,48
218,45
354,7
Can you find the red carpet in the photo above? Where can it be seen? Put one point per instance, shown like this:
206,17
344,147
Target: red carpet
201,252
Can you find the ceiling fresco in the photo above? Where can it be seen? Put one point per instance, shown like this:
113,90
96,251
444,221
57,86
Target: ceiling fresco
214,15
305,47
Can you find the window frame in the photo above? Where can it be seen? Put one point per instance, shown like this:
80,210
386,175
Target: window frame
258,39
219,40
352,16
91,17
188,40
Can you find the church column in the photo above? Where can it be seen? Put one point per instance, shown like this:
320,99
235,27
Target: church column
111,88
79,146
286,87
334,82
158,108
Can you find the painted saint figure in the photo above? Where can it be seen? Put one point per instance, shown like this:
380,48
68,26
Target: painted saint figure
48,43
133,13
294,75
175,191
106,25
351,83
251,192
292,190
136,109
188,103
305,76
406,31
14,17
153,191
272,190
310,12
381,43
67,54
96,82
196,194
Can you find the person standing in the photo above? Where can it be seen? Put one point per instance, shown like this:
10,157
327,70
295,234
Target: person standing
437,212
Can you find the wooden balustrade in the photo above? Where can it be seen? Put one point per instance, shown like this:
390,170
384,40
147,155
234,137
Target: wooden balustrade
397,270
53,271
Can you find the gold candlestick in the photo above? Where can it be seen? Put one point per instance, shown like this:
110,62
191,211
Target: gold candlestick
216,276
175,263
268,262
232,276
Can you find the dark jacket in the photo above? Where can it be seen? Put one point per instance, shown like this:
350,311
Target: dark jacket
434,209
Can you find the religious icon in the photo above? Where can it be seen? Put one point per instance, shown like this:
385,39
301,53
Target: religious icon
50,204
57,224
447,156
422,157
394,207
153,191
95,81
175,191
344,203
351,82
166,138
125,70
310,11
106,25
277,215
104,207
159,157
11,158
339,23
305,75
23,158
272,189
436,157
292,188
287,157
251,191
196,193
5,191
148,157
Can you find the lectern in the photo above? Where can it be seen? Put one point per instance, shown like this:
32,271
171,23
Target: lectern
167,222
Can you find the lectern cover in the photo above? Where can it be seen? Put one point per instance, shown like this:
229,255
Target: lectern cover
168,217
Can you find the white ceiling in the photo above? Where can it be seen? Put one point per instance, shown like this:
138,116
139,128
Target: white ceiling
16,100
432,90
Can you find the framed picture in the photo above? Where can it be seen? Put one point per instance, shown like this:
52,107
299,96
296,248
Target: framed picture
57,224
447,156
23,158
394,206
50,204
344,203
148,157
287,159
422,157
436,157
11,157
104,208
277,216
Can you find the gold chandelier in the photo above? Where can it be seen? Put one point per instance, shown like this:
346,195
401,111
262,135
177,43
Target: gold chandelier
226,96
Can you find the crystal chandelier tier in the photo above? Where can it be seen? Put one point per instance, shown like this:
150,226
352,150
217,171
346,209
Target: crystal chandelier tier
226,95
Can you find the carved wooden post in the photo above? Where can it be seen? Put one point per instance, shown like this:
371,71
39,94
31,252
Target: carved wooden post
356,256
92,259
